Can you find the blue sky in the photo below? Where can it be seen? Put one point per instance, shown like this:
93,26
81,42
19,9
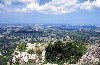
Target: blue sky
77,12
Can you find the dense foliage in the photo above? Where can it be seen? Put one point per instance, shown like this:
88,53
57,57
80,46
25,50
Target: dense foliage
69,52
83,35
3,60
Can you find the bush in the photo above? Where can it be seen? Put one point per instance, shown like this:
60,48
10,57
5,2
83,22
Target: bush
30,61
98,63
22,47
31,51
38,52
3,60
69,52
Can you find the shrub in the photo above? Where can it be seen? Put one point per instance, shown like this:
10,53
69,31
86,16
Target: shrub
69,52
31,51
22,47
3,60
30,61
38,52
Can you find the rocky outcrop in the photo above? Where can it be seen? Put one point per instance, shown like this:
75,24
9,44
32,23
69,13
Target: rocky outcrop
33,58
92,56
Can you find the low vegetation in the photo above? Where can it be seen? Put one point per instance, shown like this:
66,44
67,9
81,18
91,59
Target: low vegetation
69,52
3,60
31,51
22,47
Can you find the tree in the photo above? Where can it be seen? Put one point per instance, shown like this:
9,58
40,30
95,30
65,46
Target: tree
60,53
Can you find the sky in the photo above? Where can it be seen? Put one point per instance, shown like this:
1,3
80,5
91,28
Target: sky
75,12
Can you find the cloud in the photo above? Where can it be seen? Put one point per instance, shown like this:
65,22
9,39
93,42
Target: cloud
3,8
52,7
88,5
59,6
28,1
